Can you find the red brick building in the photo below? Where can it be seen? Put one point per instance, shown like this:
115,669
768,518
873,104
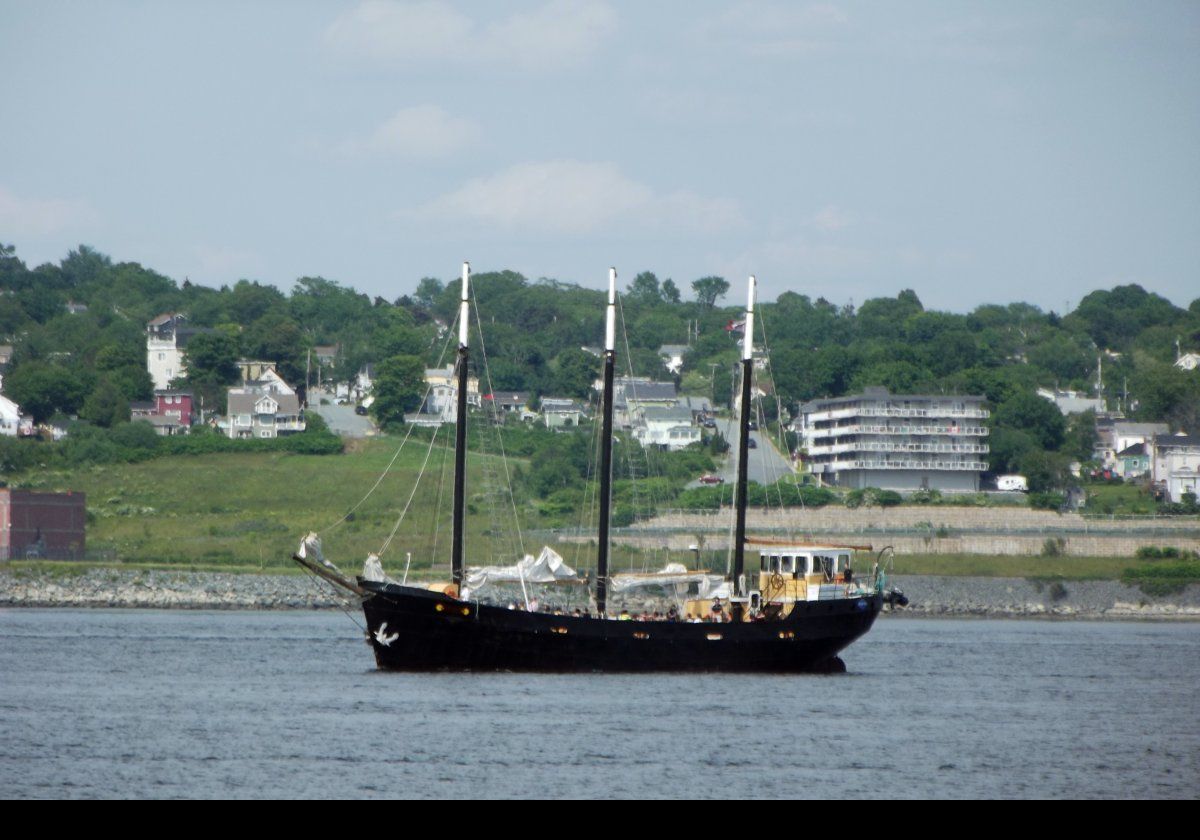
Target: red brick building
44,525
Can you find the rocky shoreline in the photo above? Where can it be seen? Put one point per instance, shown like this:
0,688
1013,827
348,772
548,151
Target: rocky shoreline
930,596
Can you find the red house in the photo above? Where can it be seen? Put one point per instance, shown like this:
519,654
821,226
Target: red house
170,412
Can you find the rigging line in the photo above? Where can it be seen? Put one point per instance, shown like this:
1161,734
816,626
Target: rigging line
313,580
787,520
590,493
395,455
428,452
630,452
437,508
412,494
487,372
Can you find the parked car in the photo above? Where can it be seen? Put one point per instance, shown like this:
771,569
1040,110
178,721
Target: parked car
360,410
709,478
754,425
751,443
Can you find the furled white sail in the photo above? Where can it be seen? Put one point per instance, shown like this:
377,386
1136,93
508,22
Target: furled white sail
547,567
373,569
673,574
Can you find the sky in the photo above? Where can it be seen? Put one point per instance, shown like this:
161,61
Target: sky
973,152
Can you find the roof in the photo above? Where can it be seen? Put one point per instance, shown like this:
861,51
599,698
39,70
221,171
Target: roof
1174,441
1132,451
243,403
694,403
683,416
876,393
509,397
673,349
161,420
648,391
1126,427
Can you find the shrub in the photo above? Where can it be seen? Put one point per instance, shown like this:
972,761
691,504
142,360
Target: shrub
925,496
1054,547
872,497
1047,501
1166,578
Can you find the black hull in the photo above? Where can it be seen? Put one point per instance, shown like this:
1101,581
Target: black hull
417,630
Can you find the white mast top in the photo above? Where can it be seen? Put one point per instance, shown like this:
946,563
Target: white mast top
464,308
610,322
748,340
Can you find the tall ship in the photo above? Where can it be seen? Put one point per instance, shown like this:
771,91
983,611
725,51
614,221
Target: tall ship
795,612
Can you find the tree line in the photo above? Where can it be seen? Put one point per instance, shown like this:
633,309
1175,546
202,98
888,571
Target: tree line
92,363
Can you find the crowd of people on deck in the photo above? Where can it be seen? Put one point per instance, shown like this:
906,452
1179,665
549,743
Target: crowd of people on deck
716,614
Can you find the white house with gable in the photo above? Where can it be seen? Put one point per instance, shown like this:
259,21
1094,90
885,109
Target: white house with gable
11,421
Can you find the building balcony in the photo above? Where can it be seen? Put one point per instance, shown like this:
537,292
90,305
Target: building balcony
889,446
900,464
887,411
926,429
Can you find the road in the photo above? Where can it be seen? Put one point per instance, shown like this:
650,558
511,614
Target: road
341,419
766,464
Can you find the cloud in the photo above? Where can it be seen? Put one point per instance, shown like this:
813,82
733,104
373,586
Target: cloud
424,131
557,34
386,31
775,29
831,219
20,216
577,197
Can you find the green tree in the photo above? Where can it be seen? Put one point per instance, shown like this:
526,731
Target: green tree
44,390
575,371
709,290
1081,438
670,292
212,359
106,406
398,388
278,339
644,290
1045,471
1166,393
1006,448
1032,414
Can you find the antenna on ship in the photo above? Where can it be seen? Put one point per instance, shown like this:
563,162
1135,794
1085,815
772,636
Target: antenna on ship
460,432
610,357
739,545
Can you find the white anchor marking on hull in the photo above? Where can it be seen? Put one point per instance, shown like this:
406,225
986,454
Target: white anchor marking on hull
381,636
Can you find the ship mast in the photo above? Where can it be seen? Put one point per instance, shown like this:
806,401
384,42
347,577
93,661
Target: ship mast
610,357
460,432
739,545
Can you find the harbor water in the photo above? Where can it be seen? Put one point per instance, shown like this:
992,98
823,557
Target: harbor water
127,703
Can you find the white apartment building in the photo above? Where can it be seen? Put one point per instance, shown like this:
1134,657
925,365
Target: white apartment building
896,441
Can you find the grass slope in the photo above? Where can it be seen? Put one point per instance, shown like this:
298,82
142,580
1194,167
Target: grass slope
250,510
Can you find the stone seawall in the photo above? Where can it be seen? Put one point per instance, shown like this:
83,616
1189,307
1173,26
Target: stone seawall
165,590
934,529
930,595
